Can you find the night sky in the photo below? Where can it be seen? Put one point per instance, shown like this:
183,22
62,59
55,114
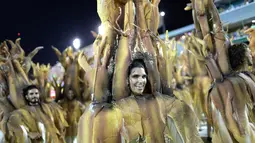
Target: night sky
58,22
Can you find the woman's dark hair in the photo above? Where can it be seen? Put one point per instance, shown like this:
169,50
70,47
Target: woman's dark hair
237,56
26,89
137,63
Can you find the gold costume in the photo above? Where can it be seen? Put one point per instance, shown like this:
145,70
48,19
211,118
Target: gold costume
158,118
29,117
151,117
230,97
100,124
73,109
20,122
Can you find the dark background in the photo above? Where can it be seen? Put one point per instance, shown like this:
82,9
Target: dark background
58,22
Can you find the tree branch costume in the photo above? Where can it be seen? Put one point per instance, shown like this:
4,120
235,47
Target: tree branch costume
231,94
21,122
153,117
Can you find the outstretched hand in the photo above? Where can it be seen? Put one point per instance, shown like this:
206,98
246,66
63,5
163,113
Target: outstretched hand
209,28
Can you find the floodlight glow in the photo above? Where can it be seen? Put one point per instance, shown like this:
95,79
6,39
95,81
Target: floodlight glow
77,43
162,13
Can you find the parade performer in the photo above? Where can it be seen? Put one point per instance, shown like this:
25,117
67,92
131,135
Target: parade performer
230,94
25,118
74,109
140,112
37,120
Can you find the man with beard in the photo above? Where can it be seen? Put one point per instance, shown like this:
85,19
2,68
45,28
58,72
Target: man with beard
32,96
34,122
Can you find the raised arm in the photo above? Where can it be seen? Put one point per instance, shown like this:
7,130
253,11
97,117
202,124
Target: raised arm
7,69
98,76
207,18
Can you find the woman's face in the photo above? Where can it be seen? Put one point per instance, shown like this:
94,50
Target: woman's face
137,80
